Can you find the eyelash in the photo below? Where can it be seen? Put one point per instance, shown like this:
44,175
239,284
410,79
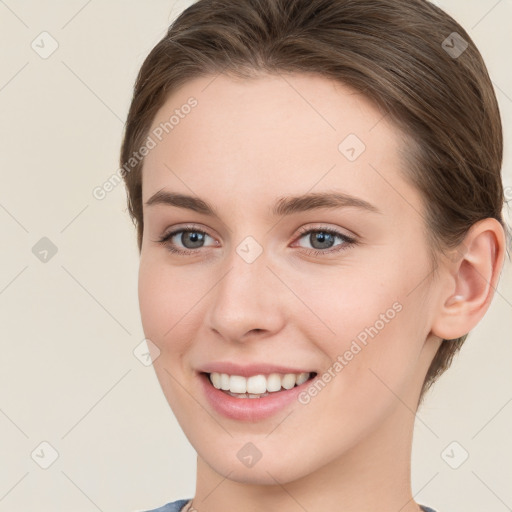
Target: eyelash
347,241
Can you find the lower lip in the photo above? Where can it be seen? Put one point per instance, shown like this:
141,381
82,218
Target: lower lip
249,409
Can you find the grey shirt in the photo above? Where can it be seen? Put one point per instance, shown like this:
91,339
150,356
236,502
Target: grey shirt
176,506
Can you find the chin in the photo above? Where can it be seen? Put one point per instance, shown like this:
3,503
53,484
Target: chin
262,473
273,463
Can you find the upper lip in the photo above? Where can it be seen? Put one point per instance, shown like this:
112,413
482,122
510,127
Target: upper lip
249,369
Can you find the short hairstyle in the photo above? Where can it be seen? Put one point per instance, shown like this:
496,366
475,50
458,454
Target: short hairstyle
407,56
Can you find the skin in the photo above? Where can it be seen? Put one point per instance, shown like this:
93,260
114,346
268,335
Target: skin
246,144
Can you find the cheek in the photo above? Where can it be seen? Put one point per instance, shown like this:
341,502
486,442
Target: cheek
165,307
378,319
350,303
166,302
381,360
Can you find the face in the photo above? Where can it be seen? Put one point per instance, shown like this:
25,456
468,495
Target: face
300,251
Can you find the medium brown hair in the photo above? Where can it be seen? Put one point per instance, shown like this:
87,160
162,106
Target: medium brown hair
401,54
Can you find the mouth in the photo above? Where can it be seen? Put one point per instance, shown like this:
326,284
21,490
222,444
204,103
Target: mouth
257,386
254,391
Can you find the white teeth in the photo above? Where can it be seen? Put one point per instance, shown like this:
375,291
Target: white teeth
274,382
237,384
224,381
288,381
301,378
216,380
257,385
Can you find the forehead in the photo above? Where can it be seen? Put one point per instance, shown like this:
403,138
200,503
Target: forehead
270,135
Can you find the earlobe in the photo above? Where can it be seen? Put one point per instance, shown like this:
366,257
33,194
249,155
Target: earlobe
474,275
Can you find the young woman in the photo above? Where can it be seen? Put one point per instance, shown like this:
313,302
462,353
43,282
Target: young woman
317,194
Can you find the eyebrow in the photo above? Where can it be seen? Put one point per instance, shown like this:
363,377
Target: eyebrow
282,207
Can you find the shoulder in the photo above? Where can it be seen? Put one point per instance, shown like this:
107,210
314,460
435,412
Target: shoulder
174,506
427,509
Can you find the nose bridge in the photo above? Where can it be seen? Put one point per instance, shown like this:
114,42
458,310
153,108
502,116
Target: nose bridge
245,298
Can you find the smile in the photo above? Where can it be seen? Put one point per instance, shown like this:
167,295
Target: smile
253,397
257,386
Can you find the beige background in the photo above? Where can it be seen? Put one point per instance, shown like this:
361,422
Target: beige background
69,326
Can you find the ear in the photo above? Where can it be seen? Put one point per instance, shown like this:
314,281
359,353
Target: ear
473,272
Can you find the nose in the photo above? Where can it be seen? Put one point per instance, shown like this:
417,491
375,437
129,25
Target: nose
249,300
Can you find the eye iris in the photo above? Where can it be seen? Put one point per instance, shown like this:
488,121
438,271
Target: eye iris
193,237
321,236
